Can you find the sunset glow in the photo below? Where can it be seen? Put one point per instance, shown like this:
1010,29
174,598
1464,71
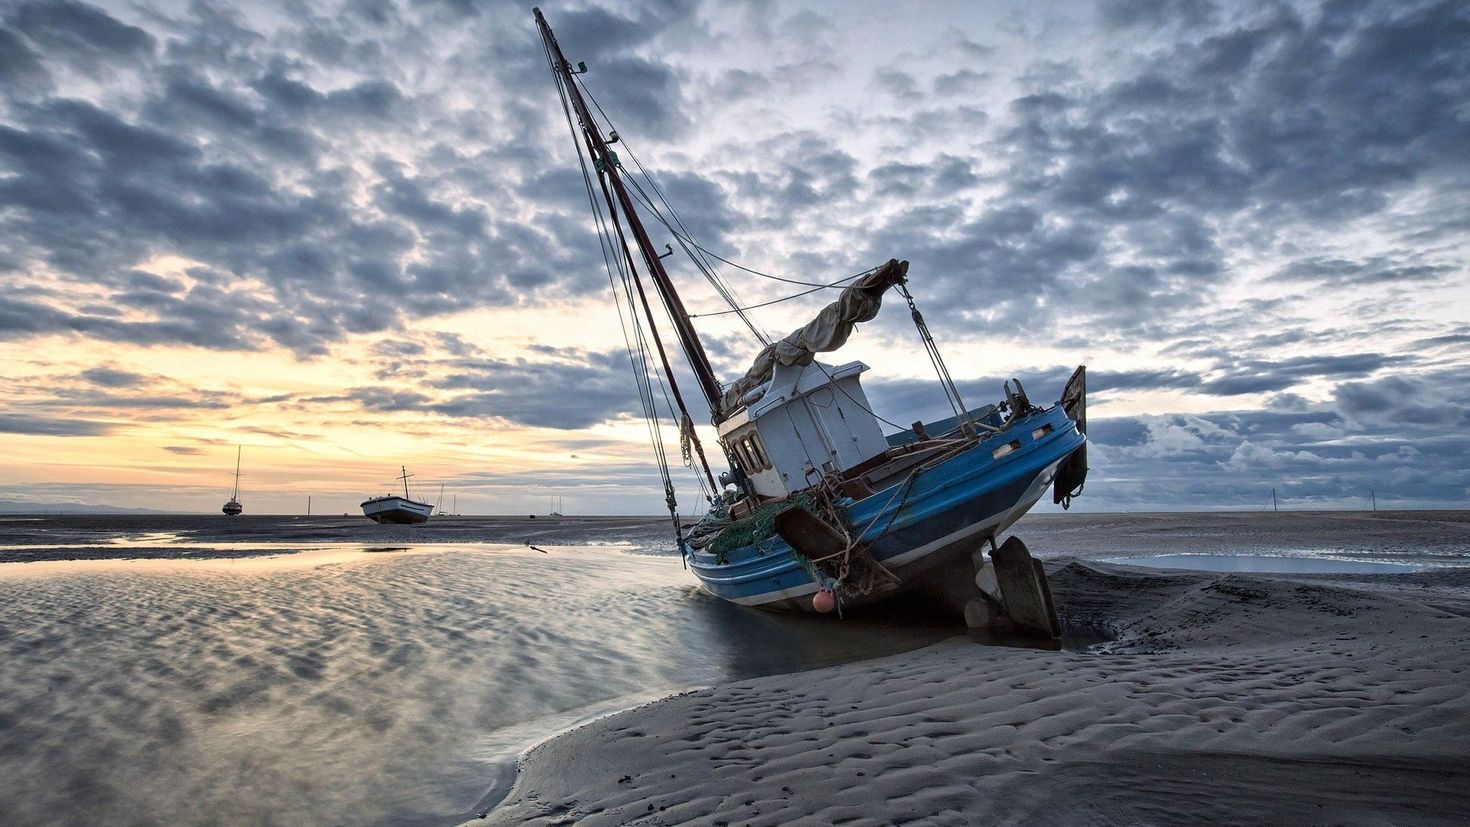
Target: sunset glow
350,241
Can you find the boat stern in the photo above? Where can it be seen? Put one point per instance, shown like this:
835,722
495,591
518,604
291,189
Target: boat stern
1072,472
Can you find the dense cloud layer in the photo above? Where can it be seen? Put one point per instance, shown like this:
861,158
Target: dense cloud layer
1398,440
1257,209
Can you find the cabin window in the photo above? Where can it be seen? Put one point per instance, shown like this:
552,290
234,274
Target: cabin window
732,449
748,455
740,459
1013,445
758,451
1041,432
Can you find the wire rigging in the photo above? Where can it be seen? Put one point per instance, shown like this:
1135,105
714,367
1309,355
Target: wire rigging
635,343
700,255
636,337
765,304
830,284
706,267
729,295
951,392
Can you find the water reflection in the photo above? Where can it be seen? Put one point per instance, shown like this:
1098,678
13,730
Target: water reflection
341,685
755,642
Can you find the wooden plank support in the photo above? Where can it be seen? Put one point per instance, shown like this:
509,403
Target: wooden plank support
803,531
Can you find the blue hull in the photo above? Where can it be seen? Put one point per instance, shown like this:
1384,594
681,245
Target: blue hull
923,526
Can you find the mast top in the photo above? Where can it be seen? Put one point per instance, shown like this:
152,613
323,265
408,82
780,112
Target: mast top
609,170
236,494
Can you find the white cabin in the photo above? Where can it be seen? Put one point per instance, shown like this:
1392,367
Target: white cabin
803,422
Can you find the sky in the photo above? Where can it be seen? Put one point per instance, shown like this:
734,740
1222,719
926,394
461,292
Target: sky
350,237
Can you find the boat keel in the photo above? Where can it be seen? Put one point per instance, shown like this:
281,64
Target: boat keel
1014,594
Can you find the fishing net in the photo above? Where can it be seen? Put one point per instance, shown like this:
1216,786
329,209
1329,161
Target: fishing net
754,529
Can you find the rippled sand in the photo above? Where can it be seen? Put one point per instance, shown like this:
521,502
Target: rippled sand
1225,699
346,687
329,671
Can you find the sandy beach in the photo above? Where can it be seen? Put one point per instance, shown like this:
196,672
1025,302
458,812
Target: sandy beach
271,671
191,670
1222,699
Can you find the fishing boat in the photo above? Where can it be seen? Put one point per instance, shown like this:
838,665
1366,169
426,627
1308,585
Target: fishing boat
820,510
392,508
233,507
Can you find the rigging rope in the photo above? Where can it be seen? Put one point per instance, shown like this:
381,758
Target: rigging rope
727,293
706,268
769,303
657,342
951,393
637,360
850,398
700,256
720,286
780,278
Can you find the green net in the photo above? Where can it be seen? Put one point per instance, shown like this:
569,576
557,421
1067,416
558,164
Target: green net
754,529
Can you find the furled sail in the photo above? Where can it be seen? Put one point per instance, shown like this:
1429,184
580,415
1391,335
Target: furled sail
859,302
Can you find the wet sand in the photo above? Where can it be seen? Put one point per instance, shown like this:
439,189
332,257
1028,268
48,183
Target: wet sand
343,685
32,538
341,672
1223,699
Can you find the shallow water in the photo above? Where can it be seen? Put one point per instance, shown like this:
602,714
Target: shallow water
1431,538
342,686
134,536
1265,565
278,670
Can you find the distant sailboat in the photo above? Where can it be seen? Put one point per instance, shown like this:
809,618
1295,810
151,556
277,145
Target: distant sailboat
233,507
395,509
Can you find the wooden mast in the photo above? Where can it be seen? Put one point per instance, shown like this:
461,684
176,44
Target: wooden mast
607,167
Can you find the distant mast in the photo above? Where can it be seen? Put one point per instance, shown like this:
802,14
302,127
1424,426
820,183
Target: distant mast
233,507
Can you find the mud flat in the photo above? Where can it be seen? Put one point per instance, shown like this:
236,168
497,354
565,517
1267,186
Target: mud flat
1223,698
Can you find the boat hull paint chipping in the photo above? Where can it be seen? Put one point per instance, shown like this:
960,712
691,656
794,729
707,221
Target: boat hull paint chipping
950,509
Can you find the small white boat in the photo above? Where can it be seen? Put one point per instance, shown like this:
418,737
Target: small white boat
392,508
233,507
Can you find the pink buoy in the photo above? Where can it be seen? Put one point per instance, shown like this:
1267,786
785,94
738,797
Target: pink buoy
824,601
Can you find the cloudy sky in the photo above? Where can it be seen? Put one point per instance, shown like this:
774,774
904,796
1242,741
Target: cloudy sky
353,236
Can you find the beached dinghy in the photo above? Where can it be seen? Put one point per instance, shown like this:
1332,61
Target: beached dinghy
819,509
